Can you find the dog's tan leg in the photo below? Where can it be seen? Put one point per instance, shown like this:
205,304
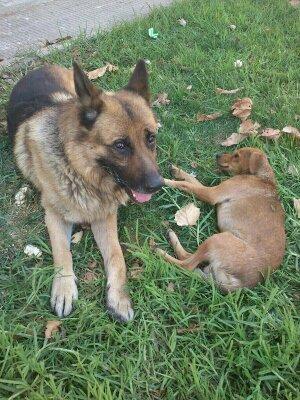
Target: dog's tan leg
180,252
64,289
204,193
106,236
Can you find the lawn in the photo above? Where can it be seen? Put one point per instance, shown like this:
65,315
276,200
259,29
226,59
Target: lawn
193,342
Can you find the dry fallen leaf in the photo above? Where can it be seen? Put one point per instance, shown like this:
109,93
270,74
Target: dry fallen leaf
152,244
238,64
20,196
191,328
32,251
293,170
271,133
208,117
189,87
182,22
292,131
242,108
89,276
194,164
294,3
161,100
225,91
51,327
233,139
92,264
77,237
170,287
232,27
135,271
97,73
248,127
297,207
188,215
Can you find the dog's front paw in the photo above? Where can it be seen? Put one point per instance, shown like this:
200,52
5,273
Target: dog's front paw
119,305
64,292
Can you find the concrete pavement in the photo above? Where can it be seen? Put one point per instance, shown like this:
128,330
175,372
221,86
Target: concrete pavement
28,24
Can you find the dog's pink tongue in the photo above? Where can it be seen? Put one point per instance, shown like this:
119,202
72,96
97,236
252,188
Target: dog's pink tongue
141,197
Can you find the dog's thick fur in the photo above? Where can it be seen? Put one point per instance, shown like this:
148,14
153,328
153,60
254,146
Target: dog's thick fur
251,241
87,152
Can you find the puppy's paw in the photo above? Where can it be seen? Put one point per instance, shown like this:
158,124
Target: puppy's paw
119,305
64,292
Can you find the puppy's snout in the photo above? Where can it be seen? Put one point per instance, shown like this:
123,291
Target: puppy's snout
219,155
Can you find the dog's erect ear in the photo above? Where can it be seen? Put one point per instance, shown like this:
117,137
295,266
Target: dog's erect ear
259,165
138,82
89,97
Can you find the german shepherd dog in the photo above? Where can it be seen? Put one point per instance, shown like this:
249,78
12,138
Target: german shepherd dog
87,152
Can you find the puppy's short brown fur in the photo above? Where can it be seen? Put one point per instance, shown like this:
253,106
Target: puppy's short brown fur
251,241
87,152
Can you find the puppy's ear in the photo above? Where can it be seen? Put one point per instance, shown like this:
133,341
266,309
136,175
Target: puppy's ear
259,165
138,82
89,97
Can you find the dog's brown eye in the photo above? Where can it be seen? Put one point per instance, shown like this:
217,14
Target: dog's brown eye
235,156
121,145
150,138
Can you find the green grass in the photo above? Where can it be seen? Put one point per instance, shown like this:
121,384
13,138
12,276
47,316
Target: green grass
247,343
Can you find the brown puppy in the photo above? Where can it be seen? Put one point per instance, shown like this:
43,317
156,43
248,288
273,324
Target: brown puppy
87,152
251,241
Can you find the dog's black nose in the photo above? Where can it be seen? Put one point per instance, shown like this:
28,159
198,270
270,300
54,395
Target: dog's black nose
153,183
219,155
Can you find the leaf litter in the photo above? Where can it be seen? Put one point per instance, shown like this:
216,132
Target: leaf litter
98,72
52,326
187,215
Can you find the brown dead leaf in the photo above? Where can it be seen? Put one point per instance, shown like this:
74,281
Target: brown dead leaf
135,271
182,22
194,164
233,139
292,131
242,108
294,3
52,326
170,287
161,100
225,91
152,244
166,224
208,117
89,276
191,328
92,265
297,207
188,215
293,170
248,127
271,133
77,237
58,40
97,73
